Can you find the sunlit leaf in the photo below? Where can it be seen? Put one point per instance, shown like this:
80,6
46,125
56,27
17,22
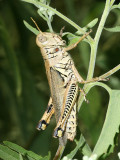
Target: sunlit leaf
8,154
32,29
116,6
88,26
21,150
106,143
91,24
114,29
73,39
15,152
20,157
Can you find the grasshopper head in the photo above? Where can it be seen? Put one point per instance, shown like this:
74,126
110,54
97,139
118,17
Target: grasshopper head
49,39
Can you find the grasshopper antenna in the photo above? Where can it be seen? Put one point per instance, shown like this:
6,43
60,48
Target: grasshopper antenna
61,31
36,25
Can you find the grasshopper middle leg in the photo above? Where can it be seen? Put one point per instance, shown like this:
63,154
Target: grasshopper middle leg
82,81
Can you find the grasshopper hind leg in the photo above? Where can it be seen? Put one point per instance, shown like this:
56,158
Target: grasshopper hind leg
68,111
58,132
71,124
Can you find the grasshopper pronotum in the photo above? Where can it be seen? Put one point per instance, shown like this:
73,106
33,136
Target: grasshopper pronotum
63,79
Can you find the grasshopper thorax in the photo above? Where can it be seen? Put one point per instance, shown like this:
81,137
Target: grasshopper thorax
45,39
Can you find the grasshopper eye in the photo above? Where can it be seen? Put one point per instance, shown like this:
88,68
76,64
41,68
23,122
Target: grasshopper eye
64,42
42,39
56,49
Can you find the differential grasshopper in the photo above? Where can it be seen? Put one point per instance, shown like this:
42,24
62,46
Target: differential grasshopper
63,79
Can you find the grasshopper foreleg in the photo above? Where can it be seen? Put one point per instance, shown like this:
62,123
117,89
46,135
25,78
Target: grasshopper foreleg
46,116
75,44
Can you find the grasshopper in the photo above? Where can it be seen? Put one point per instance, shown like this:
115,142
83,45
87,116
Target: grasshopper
63,79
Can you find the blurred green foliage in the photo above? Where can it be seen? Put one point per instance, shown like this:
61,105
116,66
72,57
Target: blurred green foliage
24,90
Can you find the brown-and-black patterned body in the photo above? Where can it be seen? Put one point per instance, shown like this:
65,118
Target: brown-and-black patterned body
62,82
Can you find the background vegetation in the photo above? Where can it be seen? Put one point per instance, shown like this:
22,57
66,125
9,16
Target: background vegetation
24,90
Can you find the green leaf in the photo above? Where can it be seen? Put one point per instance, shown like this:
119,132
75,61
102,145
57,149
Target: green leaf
32,29
91,24
15,147
73,38
8,154
105,143
21,150
84,148
116,6
88,26
11,153
114,29
20,157
82,145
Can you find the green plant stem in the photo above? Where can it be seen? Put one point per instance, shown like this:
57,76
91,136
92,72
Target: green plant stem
90,85
115,69
38,4
49,25
94,47
56,12
112,2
